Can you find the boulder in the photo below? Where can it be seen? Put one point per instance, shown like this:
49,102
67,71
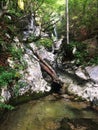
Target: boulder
93,73
84,84
32,80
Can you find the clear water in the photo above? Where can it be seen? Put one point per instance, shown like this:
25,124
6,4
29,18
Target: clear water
48,114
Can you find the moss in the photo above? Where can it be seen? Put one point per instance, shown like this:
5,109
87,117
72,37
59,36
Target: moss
26,98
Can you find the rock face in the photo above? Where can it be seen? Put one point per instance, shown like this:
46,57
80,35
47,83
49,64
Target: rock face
32,79
5,94
81,81
92,46
93,73
48,56
32,75
89,87
88,91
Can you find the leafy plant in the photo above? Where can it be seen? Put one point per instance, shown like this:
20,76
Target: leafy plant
16,52
46,42
18,86
81,55
7,76
3,105
93,61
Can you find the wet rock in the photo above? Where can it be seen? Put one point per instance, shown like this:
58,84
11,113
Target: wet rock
50,125
78,124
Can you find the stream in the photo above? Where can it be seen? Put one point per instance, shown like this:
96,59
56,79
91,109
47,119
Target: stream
51,113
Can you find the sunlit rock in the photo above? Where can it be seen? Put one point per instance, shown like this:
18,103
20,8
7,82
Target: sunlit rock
93,73
87,92
57,44
79,72
37,31
5,94
91,93
44,34
32,75
46,55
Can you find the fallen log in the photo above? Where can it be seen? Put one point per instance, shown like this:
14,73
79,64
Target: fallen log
46,67
57,84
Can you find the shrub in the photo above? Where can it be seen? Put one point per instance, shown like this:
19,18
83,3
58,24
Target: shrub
7,76
82,56
46,42
16,52
3,105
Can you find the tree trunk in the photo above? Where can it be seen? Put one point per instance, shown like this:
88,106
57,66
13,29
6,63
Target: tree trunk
67,23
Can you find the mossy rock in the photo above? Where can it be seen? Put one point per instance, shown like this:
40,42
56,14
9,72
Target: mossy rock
27,97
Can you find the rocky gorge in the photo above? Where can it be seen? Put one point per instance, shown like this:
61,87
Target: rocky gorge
46,87
80,81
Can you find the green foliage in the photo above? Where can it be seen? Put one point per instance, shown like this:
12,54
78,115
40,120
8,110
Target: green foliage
16,52
46,42
56,5
17,87
6,76
6,106
81,55
93,61
82,13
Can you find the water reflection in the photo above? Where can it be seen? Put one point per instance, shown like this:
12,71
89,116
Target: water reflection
50,114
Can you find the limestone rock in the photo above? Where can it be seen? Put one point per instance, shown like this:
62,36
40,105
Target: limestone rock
79,72
93,73
46,55
32,75
5,94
